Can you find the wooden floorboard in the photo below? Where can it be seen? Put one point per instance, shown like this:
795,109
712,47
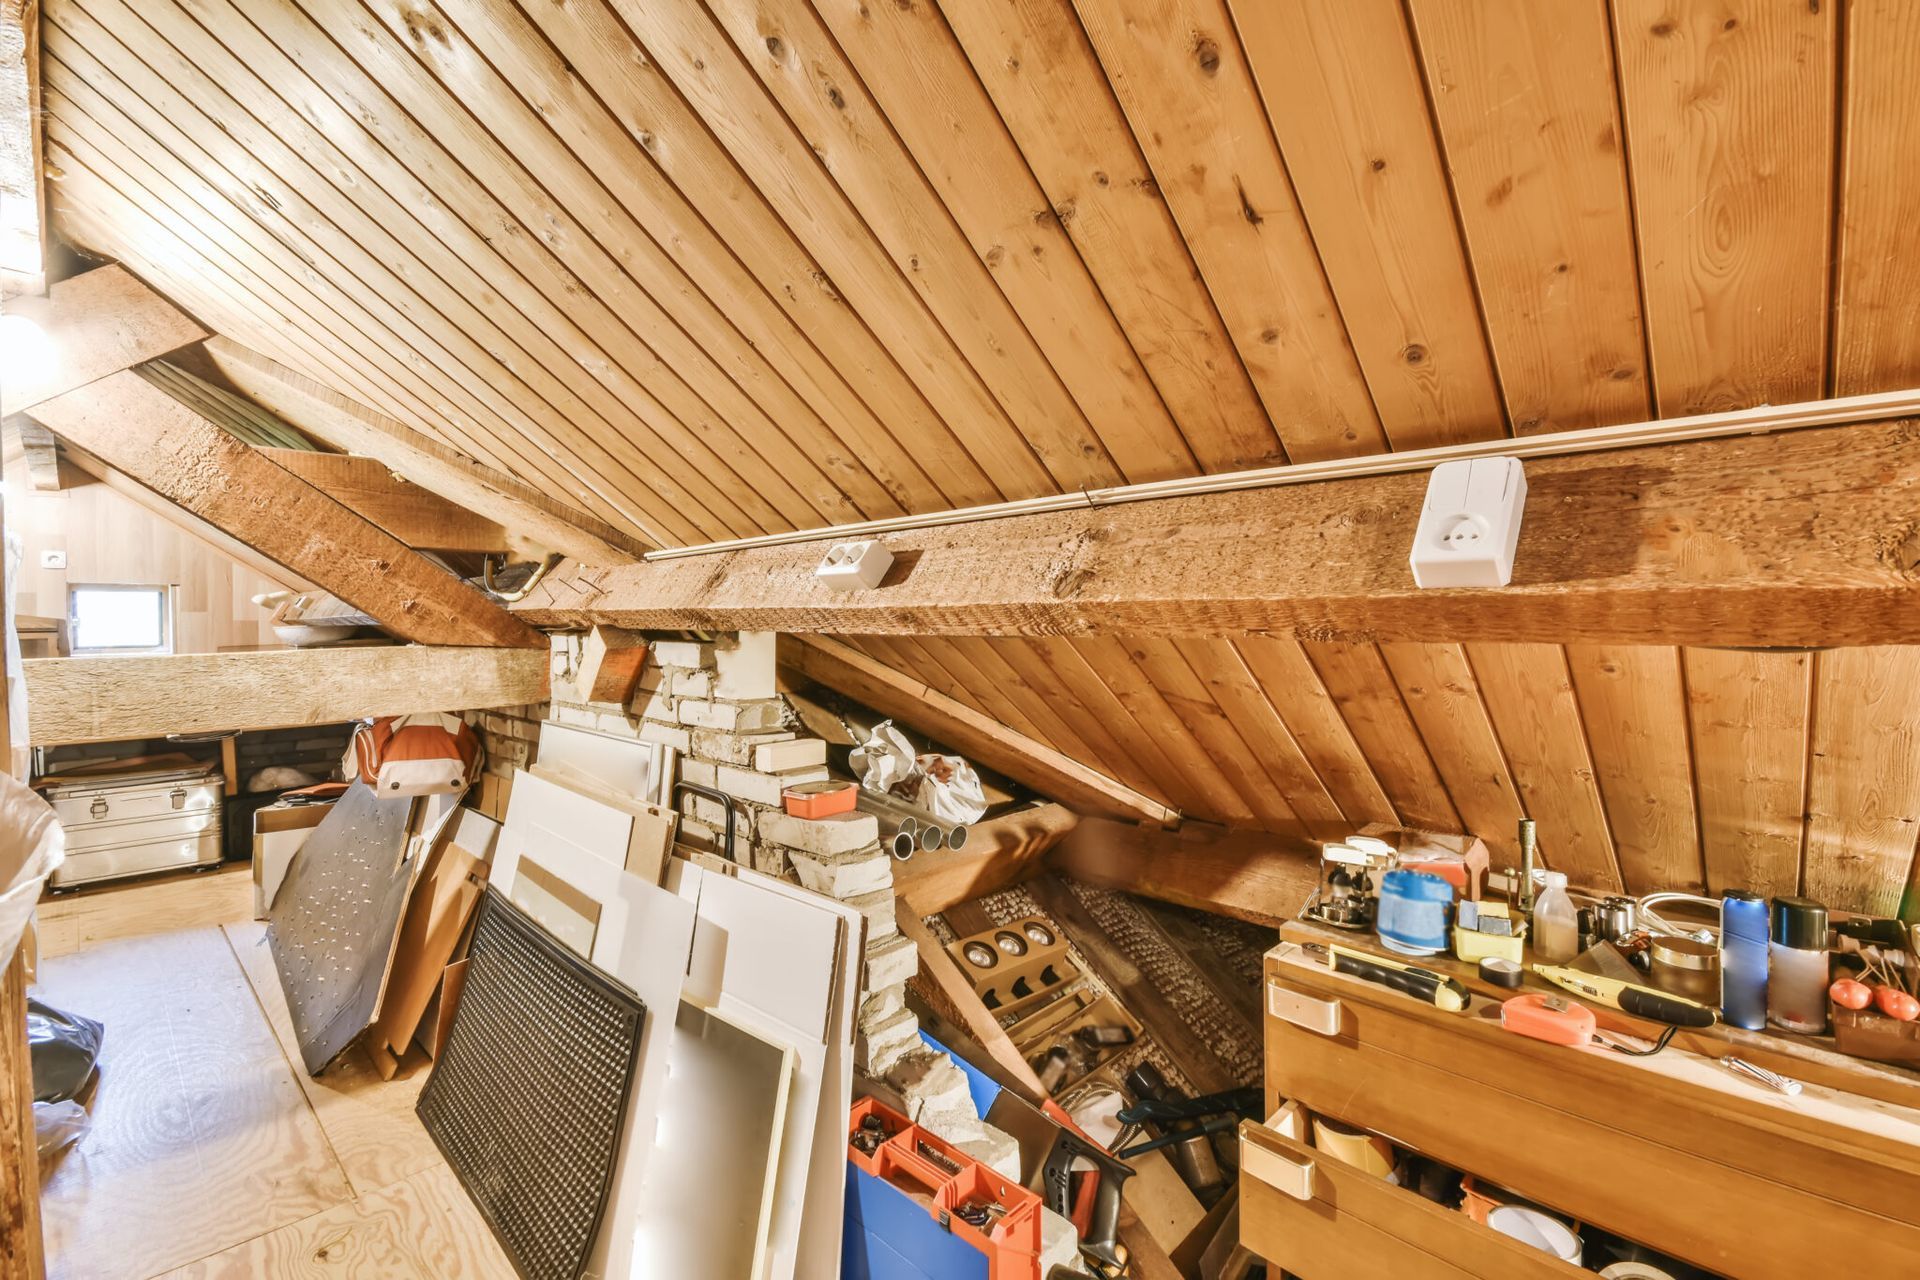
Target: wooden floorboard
201,1138
212,1153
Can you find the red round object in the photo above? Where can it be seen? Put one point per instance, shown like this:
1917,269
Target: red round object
1896,1004
1849,994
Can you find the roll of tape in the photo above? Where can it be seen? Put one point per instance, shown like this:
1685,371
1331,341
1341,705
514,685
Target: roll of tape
1501,972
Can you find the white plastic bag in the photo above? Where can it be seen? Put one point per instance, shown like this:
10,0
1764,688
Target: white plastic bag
58,1125
32,844
950,790
885,759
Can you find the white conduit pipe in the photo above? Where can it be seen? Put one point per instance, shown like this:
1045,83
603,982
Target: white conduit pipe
1706,426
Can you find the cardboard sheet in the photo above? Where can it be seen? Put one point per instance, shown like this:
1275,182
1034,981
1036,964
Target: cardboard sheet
552,815
438,911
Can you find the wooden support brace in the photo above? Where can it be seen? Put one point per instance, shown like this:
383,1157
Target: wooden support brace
90,326
113,699
981,737
610,662
1249,875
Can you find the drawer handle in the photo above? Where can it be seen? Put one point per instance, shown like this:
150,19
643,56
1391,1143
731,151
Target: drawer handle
179,797
1305,1012
98,808
1284,1173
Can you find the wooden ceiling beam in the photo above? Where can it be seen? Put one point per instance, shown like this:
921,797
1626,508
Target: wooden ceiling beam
39,450
346,424
983,738
135,427
119,698
418,517
1250,875
1801,538
91,325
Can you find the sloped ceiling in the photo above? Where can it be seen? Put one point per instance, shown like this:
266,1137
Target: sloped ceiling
712,269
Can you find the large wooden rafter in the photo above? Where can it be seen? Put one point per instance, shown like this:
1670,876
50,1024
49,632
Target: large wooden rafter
993,744
1800,538
138,429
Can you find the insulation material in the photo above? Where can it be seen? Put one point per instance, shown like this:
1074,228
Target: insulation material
707,1196
332,924
776,959
529,1101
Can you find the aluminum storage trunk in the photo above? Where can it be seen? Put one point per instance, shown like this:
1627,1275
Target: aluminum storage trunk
132,824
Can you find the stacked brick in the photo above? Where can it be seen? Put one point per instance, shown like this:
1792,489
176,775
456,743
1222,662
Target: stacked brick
719,706
510,737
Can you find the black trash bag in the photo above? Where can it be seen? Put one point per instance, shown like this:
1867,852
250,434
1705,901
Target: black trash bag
64,1048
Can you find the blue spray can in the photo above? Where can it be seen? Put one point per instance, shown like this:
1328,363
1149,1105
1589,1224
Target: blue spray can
1743,959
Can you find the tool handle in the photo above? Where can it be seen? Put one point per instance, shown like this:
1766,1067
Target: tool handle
1418,983
1677,1013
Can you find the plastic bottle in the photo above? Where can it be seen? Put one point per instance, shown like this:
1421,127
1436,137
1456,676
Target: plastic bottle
1556,926
1743,959
1797,963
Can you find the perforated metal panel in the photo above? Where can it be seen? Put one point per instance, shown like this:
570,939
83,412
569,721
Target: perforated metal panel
528,1101
332,923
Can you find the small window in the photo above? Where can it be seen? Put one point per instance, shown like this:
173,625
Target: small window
120,620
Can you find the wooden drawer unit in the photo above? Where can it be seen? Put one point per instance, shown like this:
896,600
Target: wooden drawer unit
1323,1220
1674,1151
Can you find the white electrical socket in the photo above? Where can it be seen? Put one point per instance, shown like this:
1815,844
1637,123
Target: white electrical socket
854,564
1470,524
53,559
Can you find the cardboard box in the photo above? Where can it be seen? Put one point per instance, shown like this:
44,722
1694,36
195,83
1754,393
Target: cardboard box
279,830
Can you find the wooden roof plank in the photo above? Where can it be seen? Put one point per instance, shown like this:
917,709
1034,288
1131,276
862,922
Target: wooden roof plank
1048,87
1176,67
1342,88
1729,112
1528,116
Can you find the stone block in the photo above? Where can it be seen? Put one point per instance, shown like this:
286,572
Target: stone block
682,653
764,788
996,1149
878,908
666,735
734,748
733,717
842,833
884,1043
890,961
744,666
692,684
883,1002
840,875
794,753
696,771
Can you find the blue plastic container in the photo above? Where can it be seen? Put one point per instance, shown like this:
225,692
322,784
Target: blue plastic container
1743,960
1415,911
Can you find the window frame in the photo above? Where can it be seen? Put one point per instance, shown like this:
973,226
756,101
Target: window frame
166,601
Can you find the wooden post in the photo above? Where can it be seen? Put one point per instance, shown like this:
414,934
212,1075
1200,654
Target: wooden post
21,1249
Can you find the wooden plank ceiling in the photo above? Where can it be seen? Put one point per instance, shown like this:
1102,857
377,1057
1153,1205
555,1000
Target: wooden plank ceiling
717,269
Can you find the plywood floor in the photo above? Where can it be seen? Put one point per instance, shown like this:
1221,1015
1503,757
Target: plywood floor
212,1154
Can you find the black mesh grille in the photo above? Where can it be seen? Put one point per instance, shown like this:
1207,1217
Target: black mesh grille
528,1099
